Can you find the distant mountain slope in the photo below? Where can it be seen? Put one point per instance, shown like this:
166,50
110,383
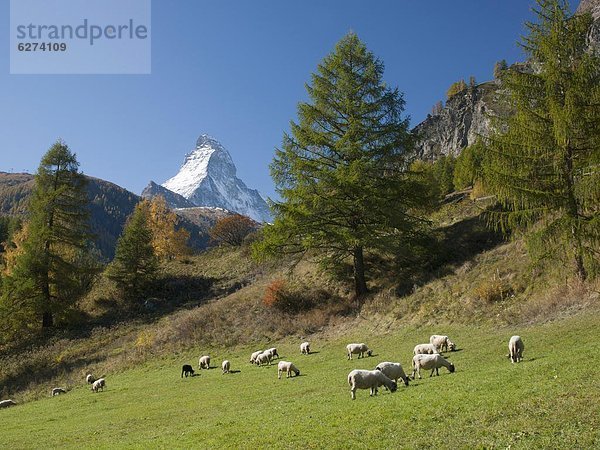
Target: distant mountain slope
110,205
208,178
171,198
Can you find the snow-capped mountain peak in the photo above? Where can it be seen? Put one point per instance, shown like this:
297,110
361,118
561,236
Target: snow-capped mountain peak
208,178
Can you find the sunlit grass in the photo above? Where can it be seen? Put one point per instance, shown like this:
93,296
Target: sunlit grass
550,400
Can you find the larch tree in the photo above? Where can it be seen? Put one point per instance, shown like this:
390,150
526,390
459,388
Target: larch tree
343,173
168,240
544,163
44,279
135,265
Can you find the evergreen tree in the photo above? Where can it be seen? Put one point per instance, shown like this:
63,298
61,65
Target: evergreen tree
544,166
500,67
468,166
45,278
343,173
443,170
135,265
455,88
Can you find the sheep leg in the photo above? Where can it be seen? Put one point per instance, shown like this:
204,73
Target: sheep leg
279,374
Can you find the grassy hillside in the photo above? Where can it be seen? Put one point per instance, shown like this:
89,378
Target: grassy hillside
550,400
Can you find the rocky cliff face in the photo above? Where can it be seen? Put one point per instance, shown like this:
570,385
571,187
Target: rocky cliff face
465,117
592,6
208,178
467,114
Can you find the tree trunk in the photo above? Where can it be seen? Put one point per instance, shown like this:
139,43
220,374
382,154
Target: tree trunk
360,283
47,320
579,267
573,213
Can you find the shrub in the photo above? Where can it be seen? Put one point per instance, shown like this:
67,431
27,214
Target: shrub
494,290
291,298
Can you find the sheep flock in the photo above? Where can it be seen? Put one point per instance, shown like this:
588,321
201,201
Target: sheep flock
426,356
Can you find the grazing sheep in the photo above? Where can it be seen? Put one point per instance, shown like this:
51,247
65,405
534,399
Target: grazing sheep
263,358
99,384
7,403
515,349
425,349
369,379
359,349
288,368
58,391
442,343
187,370
225,365
430,362
254,355
393,371
90,378
272,352
305,348
204,362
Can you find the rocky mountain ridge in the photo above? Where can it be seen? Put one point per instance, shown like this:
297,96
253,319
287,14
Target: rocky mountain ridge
208,178
467,114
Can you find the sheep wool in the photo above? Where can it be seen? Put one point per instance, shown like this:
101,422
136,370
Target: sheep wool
369,379
288,368
358,349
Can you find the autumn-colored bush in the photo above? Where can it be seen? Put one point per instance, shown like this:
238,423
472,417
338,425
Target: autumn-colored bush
292,298
493,290
232,230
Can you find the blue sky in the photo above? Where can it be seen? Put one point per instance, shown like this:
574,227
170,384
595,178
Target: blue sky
236,70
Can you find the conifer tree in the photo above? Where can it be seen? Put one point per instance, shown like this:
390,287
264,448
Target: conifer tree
342,174
45,277
167,240
544,165
135,265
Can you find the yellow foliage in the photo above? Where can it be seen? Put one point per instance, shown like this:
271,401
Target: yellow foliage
14,250
167,240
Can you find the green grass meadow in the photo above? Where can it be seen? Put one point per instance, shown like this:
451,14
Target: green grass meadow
551,400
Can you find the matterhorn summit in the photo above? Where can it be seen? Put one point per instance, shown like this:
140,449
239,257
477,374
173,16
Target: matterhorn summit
208,178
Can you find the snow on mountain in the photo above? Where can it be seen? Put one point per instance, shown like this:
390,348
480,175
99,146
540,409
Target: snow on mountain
208,178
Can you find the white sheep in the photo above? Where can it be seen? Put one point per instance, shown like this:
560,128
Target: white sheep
263,358
90,378
7,403
58,391
204,362
225,365
254,355
360,349
369,379
272,352
425,349
99,384
288,368
430,362
393,371
516,348
305,348
442,343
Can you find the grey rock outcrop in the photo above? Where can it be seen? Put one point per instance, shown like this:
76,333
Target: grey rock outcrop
172,199
465,117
